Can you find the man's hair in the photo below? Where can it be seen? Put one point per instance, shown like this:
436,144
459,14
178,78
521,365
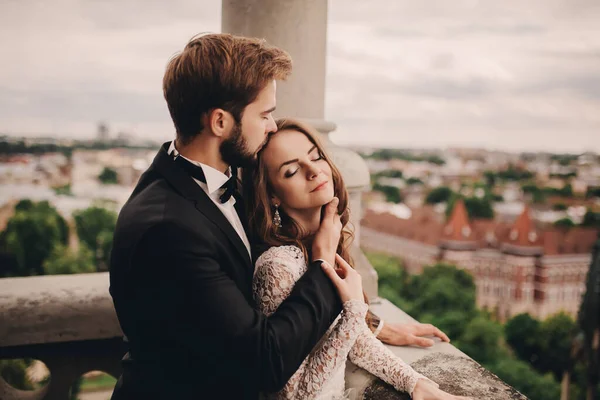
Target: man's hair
219,71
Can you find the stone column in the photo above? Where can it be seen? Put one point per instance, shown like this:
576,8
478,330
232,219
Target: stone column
300,28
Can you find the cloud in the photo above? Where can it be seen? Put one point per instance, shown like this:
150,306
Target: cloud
511,74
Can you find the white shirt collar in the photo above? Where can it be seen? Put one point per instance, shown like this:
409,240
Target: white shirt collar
214,178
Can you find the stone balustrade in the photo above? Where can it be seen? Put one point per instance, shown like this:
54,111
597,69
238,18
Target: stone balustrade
68,322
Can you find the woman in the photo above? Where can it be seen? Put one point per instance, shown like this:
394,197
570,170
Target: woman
293,180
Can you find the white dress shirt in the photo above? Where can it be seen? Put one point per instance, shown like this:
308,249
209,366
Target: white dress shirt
214,180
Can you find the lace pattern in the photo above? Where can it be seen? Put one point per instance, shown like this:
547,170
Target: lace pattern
321,374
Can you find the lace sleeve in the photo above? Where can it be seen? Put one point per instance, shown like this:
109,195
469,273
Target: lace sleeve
372,355
275,275
277,270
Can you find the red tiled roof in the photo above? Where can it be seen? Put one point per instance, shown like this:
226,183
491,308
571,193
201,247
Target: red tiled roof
524,232
458,228
424,226
569,241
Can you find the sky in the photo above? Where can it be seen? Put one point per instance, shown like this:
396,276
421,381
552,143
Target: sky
508,75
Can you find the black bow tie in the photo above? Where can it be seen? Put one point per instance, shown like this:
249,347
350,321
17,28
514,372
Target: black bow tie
196,172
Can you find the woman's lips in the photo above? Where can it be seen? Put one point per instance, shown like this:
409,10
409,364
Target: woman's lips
321,186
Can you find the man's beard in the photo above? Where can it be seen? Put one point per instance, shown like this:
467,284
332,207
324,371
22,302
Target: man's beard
234,150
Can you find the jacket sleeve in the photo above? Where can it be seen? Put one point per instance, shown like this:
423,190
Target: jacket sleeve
271,347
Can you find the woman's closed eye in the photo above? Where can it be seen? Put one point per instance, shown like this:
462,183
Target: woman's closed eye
289,174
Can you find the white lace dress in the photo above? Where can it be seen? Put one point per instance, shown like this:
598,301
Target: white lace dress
321,374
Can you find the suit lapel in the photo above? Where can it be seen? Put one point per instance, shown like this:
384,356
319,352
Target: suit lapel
190,189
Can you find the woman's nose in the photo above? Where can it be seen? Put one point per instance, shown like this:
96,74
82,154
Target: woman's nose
312,172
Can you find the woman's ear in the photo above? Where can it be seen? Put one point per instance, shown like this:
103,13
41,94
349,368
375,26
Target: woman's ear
275,202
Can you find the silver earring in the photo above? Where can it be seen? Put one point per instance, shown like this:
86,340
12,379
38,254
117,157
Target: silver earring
277,217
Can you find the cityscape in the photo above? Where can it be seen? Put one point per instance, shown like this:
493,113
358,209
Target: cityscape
467,132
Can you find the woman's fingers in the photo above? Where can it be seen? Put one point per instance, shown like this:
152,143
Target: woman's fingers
331,273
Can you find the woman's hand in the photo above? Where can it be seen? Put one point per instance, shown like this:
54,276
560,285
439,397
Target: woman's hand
426,390
346,279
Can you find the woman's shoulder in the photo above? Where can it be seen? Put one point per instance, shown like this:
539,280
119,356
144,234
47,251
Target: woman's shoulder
284,253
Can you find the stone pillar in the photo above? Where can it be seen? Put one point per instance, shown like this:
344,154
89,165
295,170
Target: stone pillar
300,28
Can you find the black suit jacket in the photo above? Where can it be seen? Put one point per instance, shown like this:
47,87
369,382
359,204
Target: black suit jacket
181,282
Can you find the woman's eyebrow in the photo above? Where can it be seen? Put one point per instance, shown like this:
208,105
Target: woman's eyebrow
295,159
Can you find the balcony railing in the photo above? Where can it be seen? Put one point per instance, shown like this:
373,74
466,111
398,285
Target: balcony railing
68,322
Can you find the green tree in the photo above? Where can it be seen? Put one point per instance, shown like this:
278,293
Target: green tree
414,181
392,193
591,219
442,288
513,173
108,176
439,195
452,323
564,223
490,178
589,323
63,260
95,228
592,191
476,207
523,335
525,379
31,234
481,339
389,173
559,207
556,338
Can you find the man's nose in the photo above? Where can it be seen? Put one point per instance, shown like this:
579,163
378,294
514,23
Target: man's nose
272,127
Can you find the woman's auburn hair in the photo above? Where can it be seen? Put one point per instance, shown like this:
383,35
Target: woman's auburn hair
258,193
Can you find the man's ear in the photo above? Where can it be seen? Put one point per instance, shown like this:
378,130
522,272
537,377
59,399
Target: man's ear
220,122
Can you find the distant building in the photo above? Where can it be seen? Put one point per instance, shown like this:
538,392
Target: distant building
517,267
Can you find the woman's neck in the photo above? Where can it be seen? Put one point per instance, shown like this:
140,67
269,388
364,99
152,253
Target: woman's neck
309,219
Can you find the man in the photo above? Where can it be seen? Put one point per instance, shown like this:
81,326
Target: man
181,267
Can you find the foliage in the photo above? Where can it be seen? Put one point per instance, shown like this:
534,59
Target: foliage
556,337
538,196
523,334
564,223
24,147
559,207
63,260
392,193
439,195
13,372
564,159
592,191
476,207
589,323
31,234
568,175
388,173
525,379
513,173
95,227
63,190
414,181
591,219
527,354
481,339
108,176
395,154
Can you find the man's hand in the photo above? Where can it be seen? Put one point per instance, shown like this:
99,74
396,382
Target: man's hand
410,334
